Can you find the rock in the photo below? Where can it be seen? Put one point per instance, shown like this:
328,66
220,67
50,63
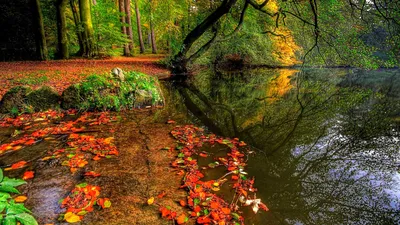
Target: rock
118,74
143,98
14,101
71,97
43,99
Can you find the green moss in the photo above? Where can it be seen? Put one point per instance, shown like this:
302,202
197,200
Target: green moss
102,92
15,100
43,99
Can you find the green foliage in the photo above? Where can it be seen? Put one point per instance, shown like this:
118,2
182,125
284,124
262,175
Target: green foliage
107,28
102,92
11,212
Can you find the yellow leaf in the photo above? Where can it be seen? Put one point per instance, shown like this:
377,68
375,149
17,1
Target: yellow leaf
20,198
150,201
71,217
108,140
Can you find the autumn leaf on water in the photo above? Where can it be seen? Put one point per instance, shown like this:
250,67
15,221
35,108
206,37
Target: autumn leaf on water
71,217
28,175
20,198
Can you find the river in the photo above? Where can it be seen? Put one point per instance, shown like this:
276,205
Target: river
326,141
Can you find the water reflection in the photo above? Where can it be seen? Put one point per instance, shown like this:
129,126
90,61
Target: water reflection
328,147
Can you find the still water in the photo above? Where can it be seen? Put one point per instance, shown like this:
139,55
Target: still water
326,141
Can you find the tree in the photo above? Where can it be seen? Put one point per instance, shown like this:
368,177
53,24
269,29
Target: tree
62,47
152,34
226,19
123,25
78,24
88,32
139,27
129,28
41,46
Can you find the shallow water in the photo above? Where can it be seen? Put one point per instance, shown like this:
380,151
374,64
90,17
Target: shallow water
326,140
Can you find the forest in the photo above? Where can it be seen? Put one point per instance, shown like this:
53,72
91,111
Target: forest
274,33
225,112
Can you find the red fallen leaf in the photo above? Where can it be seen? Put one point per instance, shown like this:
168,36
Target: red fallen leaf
162,194
182,203
197,209
203,155
18,165
92,174
203,220
215,216
28,175
165,212
234,177
30,142
170,122
263,207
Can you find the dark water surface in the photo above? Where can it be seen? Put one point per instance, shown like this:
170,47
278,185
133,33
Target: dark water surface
326,140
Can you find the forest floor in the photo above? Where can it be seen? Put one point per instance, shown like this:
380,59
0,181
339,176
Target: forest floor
128,167
140,171
62,73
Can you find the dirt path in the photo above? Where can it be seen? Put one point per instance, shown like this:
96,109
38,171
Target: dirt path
140,171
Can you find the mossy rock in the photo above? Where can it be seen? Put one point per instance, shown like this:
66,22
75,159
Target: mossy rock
71,97
14,101
102,92
43,99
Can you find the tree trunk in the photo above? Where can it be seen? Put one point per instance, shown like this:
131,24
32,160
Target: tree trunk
129,28
41,47
153,37
77,21
180,61
139,27
88,32
62,49
123,27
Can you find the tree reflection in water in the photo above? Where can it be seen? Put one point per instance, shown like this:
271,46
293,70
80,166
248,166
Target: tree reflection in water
326,153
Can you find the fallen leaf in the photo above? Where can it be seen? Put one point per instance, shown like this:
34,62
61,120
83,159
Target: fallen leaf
20,198
182,219
150,201
18,165
92,174
71,217
28,175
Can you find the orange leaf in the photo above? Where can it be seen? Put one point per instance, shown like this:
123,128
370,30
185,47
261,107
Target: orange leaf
214,205
20,198
226,211
28,175
182,219
18,165
182,202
